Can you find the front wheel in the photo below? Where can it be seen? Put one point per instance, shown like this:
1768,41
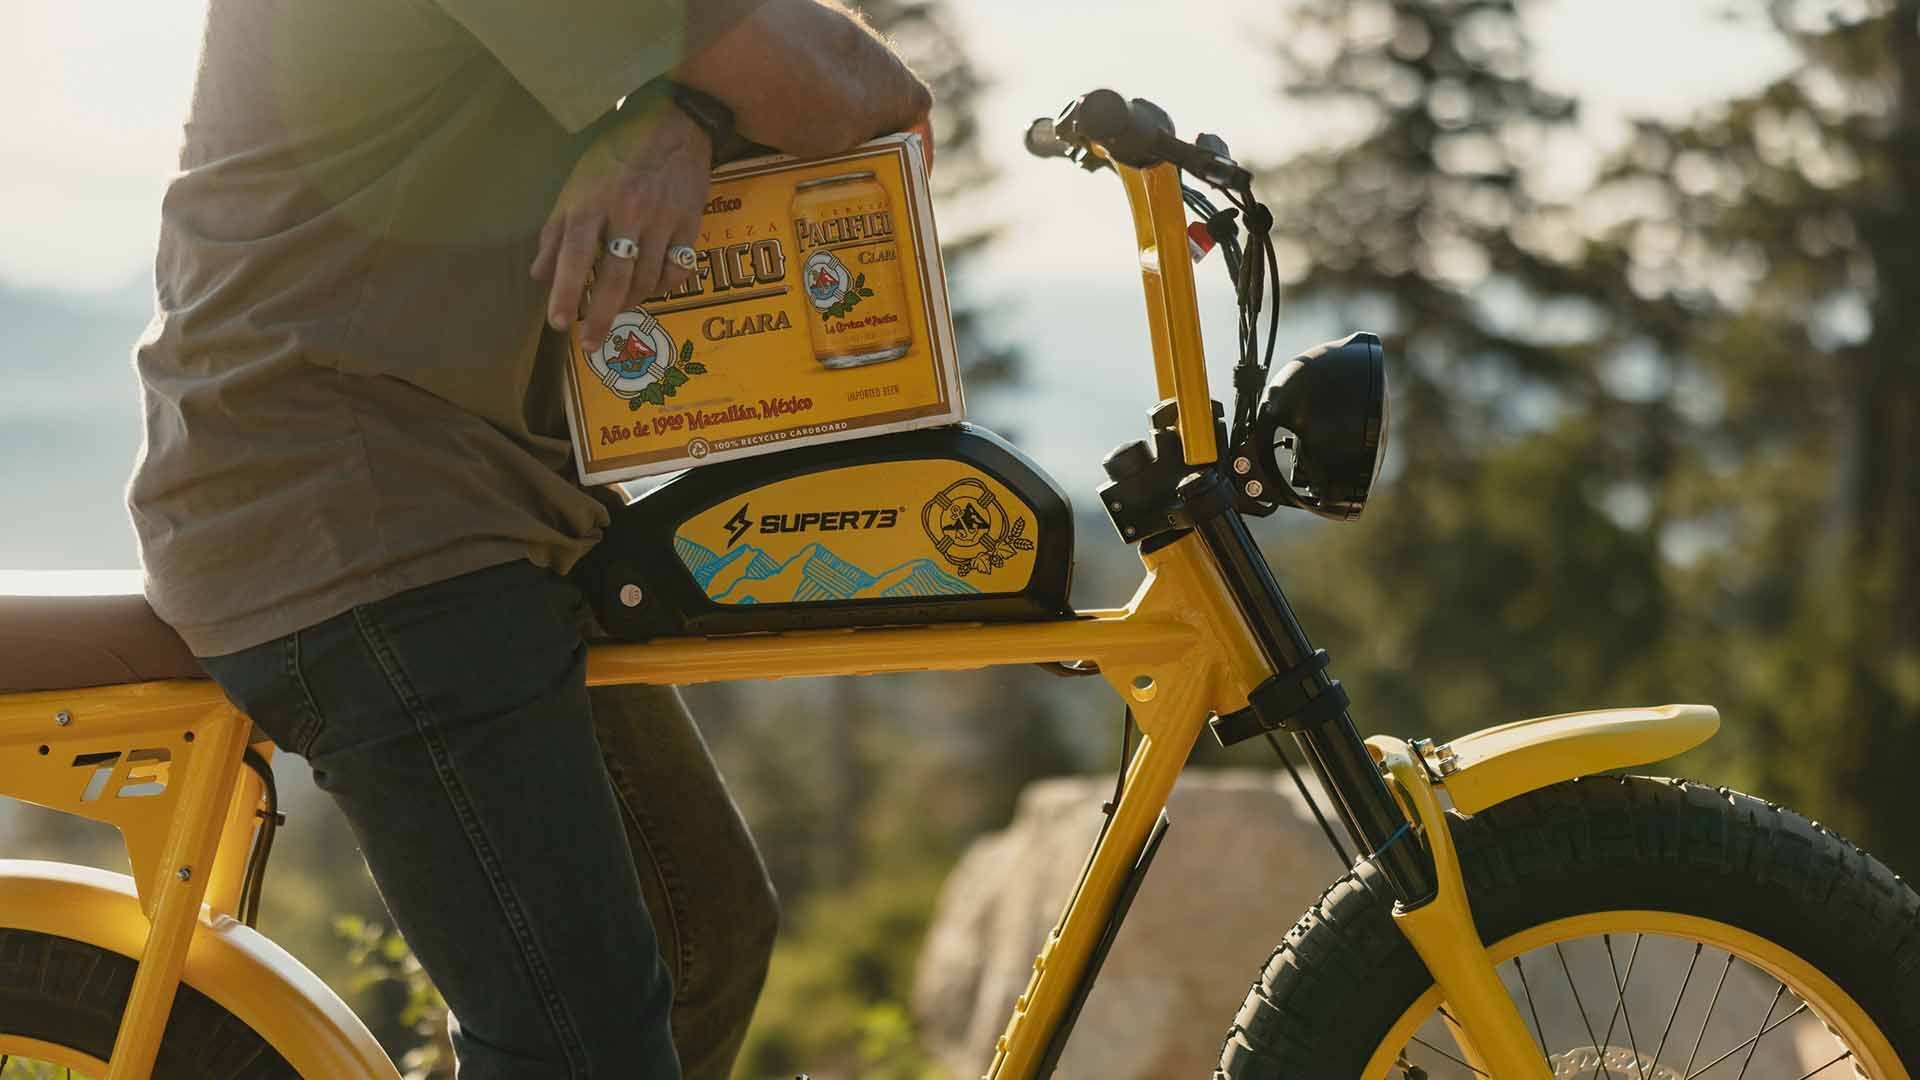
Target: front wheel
1647,929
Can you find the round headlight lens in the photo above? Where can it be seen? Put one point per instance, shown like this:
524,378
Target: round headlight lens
1332,399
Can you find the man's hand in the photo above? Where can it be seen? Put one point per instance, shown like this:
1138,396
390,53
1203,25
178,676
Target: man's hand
644,178
923,127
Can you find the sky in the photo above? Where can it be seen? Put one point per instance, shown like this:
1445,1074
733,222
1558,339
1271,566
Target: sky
101,88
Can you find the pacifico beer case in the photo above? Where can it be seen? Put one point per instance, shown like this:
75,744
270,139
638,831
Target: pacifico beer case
817,313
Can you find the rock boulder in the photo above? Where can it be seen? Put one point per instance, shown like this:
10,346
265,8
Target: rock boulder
1242,860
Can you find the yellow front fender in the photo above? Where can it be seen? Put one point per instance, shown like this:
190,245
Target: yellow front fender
1489,767
229,962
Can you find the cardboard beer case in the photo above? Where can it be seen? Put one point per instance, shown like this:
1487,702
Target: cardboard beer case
817,313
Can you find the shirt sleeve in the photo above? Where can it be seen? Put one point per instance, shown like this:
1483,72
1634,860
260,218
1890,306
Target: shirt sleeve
579,57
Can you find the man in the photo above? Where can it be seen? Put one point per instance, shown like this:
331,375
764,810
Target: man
354,501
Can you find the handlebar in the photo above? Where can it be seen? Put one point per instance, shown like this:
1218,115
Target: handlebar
1137,134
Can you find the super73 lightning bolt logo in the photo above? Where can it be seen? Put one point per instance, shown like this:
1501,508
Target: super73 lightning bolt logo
737,525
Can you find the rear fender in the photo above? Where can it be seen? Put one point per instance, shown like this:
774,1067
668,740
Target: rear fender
231,963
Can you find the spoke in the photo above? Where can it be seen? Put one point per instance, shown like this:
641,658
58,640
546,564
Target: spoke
1446,1055
1577,1003
1620,1003
1750,1042
1844,1055
1675,1014
1705,1020
1755,1041
1539,1032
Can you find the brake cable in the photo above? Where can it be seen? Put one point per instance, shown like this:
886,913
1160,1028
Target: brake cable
1255,274
253,880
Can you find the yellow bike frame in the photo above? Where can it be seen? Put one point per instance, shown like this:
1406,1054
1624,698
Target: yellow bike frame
170,757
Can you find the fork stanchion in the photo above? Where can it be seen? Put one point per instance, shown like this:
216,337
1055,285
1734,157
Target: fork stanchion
1321,723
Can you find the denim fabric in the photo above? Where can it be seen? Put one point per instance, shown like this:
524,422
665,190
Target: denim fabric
522,831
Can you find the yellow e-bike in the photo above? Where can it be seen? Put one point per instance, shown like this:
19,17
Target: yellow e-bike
1508,913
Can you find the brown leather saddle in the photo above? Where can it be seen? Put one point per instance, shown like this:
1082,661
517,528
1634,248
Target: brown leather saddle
61,642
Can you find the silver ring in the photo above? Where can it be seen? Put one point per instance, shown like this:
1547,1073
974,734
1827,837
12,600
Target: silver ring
622,248
681,256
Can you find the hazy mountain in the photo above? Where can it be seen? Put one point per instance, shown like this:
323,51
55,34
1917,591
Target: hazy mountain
69,425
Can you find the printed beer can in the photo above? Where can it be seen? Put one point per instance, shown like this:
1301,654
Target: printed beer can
844,232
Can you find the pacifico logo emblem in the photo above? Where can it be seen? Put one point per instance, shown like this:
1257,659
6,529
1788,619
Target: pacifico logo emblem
639,361
826,279
970,528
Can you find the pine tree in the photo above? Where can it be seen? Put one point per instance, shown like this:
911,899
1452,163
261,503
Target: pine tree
1786,225
1507,564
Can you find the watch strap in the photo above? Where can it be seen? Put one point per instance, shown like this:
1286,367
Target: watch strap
714,116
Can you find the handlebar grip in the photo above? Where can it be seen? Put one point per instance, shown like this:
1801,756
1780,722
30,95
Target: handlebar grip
1100,115
1131,132
1043,141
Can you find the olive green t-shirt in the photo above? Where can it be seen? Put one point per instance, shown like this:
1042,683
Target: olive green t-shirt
348,384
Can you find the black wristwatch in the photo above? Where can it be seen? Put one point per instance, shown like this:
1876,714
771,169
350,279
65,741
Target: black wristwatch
712,114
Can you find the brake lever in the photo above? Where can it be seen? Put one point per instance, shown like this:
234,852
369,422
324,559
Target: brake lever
1203,163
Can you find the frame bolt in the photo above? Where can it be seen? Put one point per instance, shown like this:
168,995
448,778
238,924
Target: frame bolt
1254,488
1444,756
185,873
63,718
1242,466
630,595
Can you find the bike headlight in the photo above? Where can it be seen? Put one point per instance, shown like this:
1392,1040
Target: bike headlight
1322,425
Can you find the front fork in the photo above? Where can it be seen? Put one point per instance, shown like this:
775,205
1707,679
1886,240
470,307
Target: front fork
1417,859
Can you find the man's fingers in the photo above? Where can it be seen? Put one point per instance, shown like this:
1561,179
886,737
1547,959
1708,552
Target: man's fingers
923,127
650,264
550,234
610,285
671,276
577,254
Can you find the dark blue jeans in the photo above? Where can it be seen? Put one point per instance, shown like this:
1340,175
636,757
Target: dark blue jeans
567,866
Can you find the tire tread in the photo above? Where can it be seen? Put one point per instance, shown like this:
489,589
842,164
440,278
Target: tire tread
1326,996
72,993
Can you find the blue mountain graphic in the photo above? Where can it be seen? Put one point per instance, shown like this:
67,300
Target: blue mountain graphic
706,566
696,558
816,574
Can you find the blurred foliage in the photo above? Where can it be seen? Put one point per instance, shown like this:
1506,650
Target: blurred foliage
383,964
1779,236
1655,438
835,1001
